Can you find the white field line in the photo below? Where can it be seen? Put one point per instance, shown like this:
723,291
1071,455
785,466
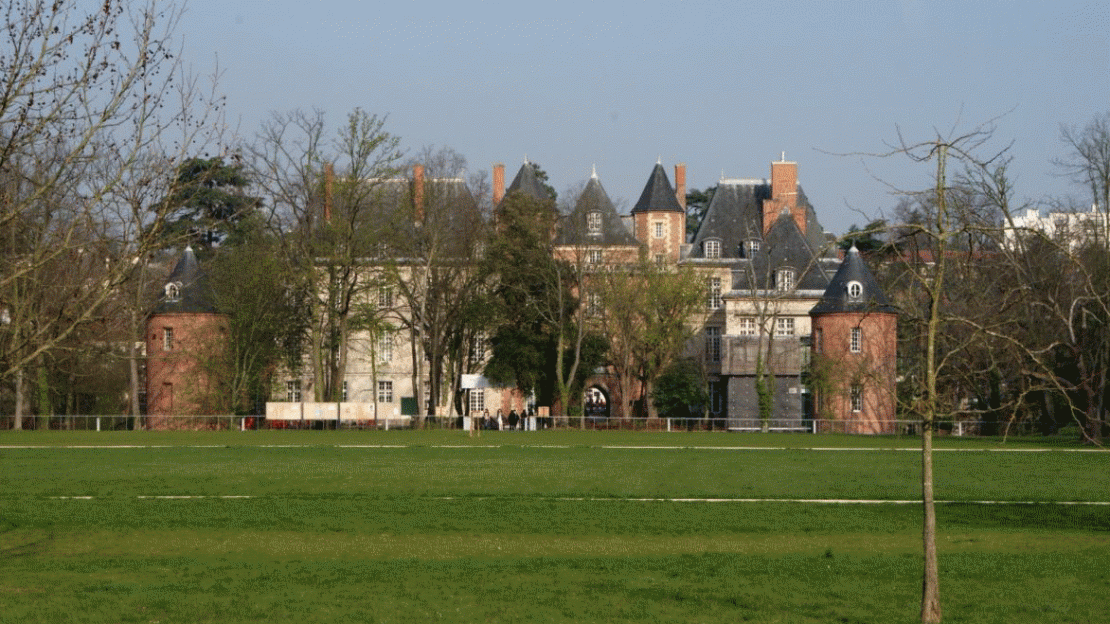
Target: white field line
810,501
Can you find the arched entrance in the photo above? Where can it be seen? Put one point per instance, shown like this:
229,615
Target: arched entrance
596,404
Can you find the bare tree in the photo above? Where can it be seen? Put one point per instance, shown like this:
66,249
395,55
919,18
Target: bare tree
86,95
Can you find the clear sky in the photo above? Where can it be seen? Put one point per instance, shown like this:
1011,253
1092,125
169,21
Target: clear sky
725,87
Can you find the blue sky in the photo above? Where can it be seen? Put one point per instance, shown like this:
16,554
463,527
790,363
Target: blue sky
725,87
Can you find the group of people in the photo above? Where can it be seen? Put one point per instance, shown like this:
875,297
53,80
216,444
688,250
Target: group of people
500,422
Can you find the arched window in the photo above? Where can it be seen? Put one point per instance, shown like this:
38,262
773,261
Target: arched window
593,223
855,290
173,291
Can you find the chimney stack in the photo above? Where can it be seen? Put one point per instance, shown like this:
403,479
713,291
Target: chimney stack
784,195
498,183
418,192
680,184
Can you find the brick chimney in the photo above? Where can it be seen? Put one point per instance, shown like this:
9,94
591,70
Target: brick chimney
498,183
680,184
784,195
418,192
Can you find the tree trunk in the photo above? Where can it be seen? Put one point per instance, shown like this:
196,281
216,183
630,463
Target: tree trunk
930,588
19,400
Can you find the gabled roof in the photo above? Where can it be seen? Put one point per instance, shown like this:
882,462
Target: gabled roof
186,290
838,298
786,247
658,195
573,228
526,182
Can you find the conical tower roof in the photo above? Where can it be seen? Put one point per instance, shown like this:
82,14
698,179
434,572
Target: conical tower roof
574,228
853,289
658,195
528,183
186,290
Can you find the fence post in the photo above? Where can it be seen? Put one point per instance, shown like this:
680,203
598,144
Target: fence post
98,423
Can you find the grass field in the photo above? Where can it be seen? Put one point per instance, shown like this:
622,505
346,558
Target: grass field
542,527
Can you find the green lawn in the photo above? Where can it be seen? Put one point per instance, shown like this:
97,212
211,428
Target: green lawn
548,526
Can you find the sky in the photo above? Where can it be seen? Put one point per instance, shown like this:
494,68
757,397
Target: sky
725,87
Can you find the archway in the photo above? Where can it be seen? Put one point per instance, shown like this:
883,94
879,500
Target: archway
595,404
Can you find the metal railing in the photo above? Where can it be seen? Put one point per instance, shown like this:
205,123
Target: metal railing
592,423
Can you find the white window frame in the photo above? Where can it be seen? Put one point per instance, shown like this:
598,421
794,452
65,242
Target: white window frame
855,344
477,400
747,326
167,339
784,326
658,229
594,256
478,347
385,296
855,398
712,249
593,223
713,285
594,306
855,289
385,346
293,390
785,280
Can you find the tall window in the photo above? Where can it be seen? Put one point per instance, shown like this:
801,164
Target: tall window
593,304
478,347
293,390
712,249
658,225
784,279
818,340
593,223
593,256
385,392
784,326
167,339
344,395
714,286
385,346
857,398
857,340
385,297
747,326
712,344
477,400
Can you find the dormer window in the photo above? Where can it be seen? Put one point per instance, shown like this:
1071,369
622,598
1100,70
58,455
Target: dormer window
712,249
750,248
784,280
593,223
855,290
173,291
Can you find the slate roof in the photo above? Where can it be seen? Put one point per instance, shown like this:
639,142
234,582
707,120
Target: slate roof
572,227
193,293
526,182
735,215
837,299
658,195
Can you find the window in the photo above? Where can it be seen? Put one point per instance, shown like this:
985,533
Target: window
385,346
857,398
293,390
593,223
712,248
857,340
593,256
712,344
593,304
477,400
753,246
385,297
167,339
818,340
343,395
784,280
747,326
173,291
478,347
784,326
660,259
658,226
385,392
714,286
855,290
